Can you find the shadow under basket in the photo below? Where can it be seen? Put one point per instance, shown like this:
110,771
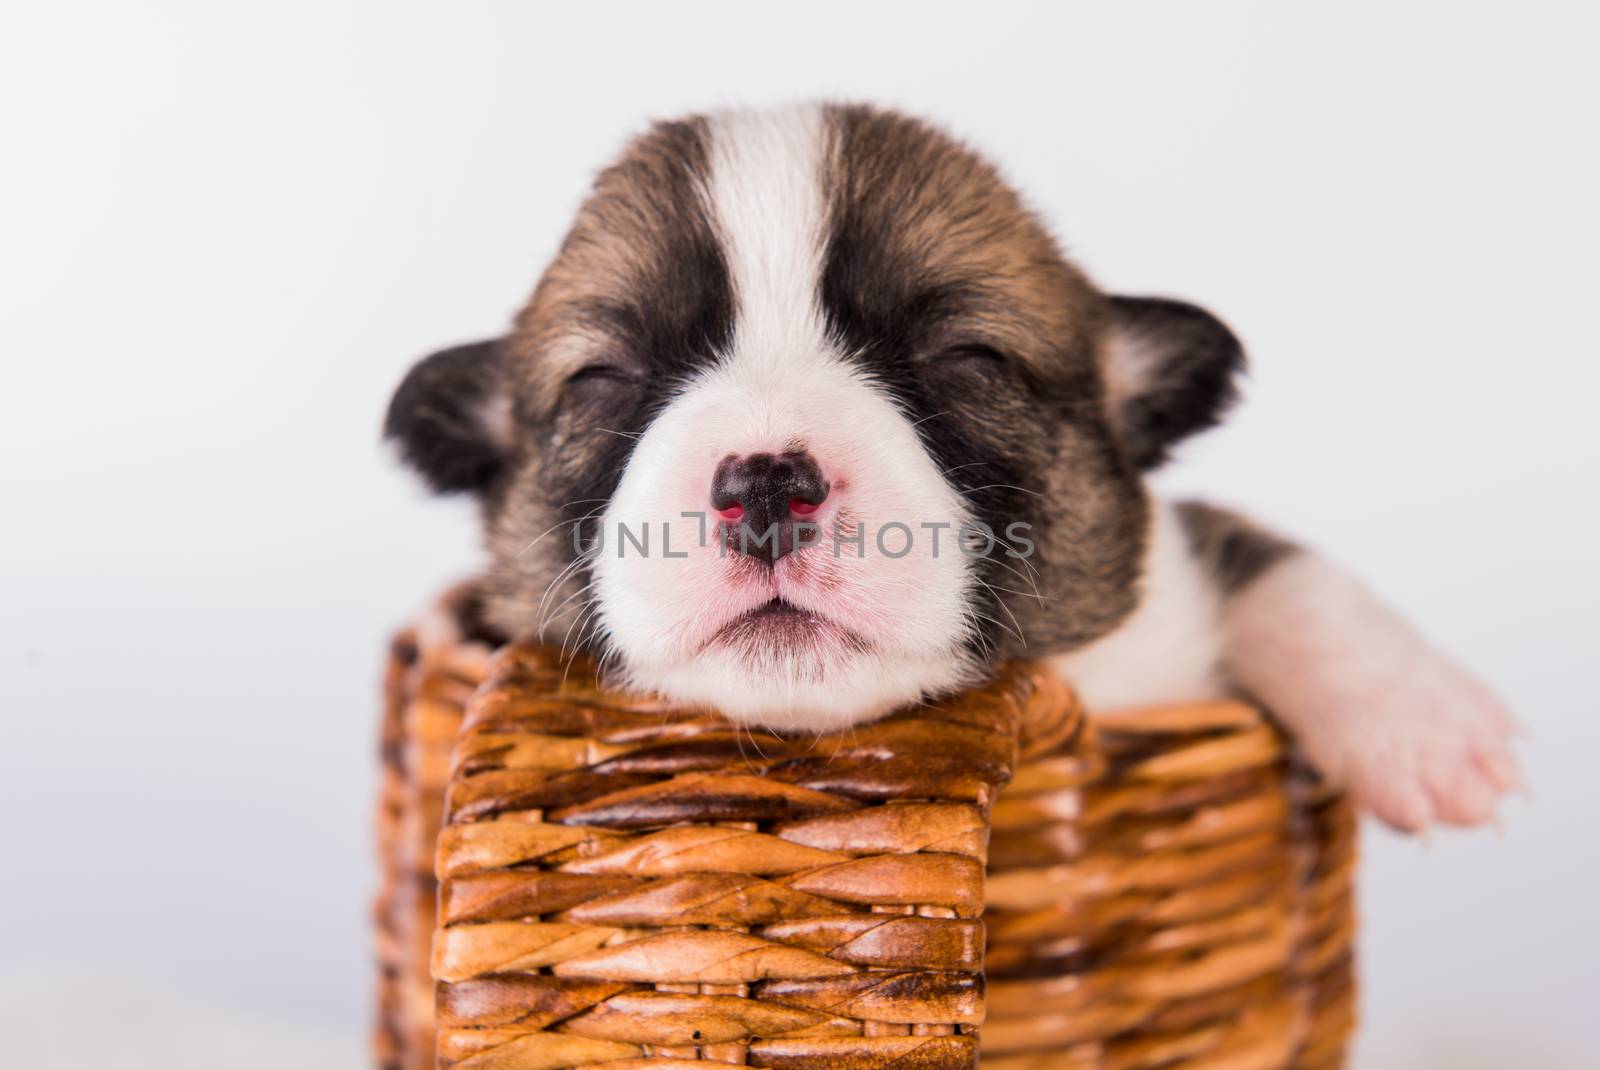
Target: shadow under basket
579,878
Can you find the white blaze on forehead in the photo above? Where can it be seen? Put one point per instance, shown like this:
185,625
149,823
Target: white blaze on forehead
766,199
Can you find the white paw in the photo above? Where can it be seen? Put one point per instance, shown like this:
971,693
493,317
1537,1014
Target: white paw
1375,708
1428,744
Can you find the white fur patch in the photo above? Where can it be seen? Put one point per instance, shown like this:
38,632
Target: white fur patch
896,626
1130,362
1170,648
493,414
1415,737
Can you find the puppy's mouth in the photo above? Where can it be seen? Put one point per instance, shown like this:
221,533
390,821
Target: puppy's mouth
781,627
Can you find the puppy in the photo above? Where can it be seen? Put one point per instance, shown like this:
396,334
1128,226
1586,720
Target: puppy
810,418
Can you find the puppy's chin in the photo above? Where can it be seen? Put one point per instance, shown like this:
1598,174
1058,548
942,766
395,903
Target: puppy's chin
811,690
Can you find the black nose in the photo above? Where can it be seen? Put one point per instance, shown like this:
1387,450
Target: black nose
766,502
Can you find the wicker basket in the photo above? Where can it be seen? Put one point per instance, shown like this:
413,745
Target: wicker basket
620,888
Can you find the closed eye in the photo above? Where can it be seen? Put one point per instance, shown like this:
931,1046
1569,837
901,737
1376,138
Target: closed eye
968,361
971,353
601,383
599,388
601,373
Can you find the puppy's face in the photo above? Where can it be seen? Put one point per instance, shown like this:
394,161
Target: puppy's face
809,419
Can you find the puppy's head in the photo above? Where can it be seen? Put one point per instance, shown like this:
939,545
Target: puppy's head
810,418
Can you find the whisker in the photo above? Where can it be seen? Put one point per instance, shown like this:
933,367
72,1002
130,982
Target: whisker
1023,576
1001,624
561,577
580,619
1022,594
984,644
602,663
753,742
578,647
1003,486
839,741
556,610
563,523
1021,559
1001,603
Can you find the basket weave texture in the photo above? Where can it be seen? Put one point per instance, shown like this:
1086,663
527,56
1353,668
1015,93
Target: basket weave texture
594,882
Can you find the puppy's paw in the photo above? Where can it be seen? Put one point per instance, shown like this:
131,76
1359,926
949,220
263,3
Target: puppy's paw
1375,708
1431,744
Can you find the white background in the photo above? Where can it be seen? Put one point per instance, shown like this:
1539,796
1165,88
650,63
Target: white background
226,229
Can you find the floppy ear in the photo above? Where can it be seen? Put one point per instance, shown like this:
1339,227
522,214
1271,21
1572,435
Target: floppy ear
451,416
1170,369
